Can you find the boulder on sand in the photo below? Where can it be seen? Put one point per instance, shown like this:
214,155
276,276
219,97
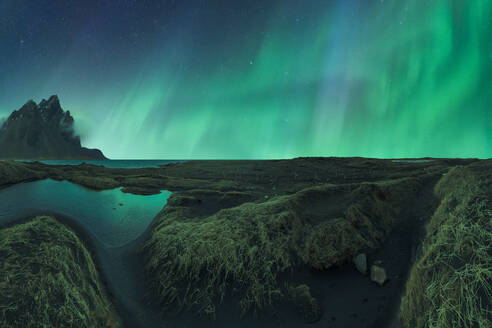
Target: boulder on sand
378,274
360,262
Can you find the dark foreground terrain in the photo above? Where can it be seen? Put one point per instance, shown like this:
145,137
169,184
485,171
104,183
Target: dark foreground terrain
272,244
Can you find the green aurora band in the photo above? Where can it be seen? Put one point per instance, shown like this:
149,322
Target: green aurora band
391,79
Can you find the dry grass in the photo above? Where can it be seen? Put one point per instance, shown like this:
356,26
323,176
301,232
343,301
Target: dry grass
14,172
194,262
95,182
451,283
48,279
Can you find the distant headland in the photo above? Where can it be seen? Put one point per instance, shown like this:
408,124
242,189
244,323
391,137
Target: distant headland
43,131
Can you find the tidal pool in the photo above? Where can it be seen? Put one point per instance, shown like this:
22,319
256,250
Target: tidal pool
113,217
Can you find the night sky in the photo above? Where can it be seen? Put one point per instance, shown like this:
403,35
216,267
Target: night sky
181,79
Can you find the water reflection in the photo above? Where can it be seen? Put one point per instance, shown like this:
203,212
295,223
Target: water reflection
113,217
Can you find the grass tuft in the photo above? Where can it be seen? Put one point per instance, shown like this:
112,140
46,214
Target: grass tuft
195,262
451,283
48,279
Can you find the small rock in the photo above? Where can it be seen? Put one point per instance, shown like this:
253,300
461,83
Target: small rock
121,204
378,274
360,262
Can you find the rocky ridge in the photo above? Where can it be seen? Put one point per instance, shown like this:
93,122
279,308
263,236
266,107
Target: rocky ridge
43,131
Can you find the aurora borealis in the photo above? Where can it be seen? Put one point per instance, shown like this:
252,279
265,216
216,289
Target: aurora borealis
257,79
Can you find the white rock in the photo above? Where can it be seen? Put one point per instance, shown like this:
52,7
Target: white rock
378,274
360,262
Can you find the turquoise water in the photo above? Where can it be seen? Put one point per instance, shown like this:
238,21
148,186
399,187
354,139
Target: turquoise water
114,163
113,217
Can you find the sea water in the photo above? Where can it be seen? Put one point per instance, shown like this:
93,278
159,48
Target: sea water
113,217
113,163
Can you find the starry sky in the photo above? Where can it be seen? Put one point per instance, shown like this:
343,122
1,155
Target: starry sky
222,79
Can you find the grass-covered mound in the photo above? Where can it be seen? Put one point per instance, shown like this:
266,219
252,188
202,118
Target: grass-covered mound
194,261
48,279
450,285
95,182
12,172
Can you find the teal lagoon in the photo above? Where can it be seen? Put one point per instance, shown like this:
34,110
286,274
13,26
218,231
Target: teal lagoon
113,217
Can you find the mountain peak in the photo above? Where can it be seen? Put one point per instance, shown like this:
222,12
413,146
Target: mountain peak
44,130
52,101
29,105
51,109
